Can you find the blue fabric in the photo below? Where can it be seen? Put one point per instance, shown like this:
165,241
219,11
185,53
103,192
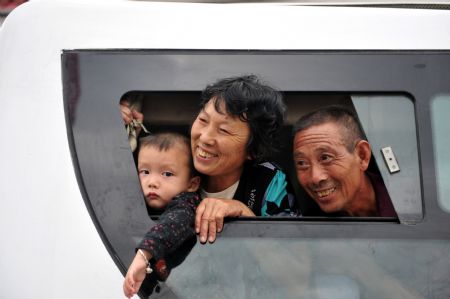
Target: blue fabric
275,192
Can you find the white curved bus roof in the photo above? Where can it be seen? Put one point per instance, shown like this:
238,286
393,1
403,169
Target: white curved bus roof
50,247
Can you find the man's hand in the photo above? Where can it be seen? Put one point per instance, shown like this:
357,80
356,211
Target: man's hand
129,114
211,212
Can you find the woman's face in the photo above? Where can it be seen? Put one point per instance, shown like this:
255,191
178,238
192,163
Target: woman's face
219,144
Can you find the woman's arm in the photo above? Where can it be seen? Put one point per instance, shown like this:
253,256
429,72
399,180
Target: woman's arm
273,193
211,213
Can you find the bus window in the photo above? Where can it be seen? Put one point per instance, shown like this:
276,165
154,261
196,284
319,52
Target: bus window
326,254
383,118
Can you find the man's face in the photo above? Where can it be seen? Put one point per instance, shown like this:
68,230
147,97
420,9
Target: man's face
325,168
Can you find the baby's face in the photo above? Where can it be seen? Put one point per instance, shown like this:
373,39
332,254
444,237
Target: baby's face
164,174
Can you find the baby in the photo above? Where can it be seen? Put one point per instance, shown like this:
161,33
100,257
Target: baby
169,183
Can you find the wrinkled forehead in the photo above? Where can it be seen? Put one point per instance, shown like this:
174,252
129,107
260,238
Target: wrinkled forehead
219,105
323,136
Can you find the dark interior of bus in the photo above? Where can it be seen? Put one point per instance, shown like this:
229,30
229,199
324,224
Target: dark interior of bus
175,112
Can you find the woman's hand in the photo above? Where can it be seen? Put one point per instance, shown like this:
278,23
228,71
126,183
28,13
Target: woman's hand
211,212
135,275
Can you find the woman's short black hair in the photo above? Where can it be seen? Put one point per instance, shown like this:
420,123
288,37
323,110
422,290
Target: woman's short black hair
254,102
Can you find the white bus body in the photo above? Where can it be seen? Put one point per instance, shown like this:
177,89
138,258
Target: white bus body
50,247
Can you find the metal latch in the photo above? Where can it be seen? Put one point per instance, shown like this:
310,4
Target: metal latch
389,158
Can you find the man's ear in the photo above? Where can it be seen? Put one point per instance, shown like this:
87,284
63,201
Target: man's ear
364,152
194,184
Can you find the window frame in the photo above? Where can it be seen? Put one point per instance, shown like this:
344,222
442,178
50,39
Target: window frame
94,80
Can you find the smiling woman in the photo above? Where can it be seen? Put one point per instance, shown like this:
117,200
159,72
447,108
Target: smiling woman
233,139
219,143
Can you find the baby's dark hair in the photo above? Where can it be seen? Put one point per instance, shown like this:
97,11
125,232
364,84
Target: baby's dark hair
166,141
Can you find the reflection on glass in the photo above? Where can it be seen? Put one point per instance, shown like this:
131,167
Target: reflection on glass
440,107
315,268
385,118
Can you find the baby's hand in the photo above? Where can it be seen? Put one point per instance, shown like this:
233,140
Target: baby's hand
135,276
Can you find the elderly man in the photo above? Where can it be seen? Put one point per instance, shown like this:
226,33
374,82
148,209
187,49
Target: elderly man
331,159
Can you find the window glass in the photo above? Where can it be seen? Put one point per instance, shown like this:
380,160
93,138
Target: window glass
314,268
440,121
388,121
